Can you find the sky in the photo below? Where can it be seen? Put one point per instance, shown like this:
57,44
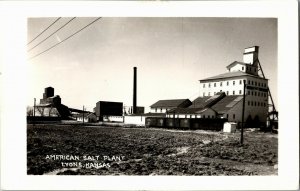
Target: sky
171,56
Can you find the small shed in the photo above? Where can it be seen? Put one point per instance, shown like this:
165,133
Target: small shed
92,117
229,127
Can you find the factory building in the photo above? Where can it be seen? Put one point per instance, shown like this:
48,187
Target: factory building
50,106
87,117
223,93
163,106
105,109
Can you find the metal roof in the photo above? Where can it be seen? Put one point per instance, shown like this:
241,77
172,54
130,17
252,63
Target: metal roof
235,63
171,103
188,110
185,110
206,101
230,75
227,103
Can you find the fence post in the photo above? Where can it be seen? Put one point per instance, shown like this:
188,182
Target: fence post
242,128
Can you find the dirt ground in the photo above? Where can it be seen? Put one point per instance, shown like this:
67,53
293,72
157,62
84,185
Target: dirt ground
147,151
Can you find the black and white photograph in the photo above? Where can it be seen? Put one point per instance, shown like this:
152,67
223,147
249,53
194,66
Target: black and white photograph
149,95
152,96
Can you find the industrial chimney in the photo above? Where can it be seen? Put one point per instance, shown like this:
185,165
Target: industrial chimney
134,91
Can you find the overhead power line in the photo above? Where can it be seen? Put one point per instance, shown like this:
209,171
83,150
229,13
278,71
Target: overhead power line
44,30
65,38
52,33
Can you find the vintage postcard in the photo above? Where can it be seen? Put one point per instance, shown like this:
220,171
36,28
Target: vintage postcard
168,94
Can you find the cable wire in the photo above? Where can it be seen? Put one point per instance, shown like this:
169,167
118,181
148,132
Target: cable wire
52,33
64,39
44,30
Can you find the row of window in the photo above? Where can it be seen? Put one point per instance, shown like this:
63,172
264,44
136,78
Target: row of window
253,93
202,116
250,82
257,93
197,116
254,103
249,68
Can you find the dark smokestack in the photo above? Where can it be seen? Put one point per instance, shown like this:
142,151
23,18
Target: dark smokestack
134,91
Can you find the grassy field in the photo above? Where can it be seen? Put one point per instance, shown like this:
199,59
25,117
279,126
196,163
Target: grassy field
148,151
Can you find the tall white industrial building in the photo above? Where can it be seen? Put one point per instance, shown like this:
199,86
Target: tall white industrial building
232,84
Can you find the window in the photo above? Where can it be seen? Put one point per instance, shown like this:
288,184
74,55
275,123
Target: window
255,93
209,85
254,69
250,69
265,104
215,84
249,92
258,84
255,103
248,102
233,116
203,116
258,103
160,109
221,84
220,90
248,81
240,81
233,82
258,93
240,92
208,116
227,83
212,116
203,85
252,82
233,92
255,83
203,94
242,68
227,116
208,93
155,109
214,93
227,93
251,103
246,68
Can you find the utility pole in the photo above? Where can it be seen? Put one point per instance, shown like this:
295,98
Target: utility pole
34,107
83,115
243,112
